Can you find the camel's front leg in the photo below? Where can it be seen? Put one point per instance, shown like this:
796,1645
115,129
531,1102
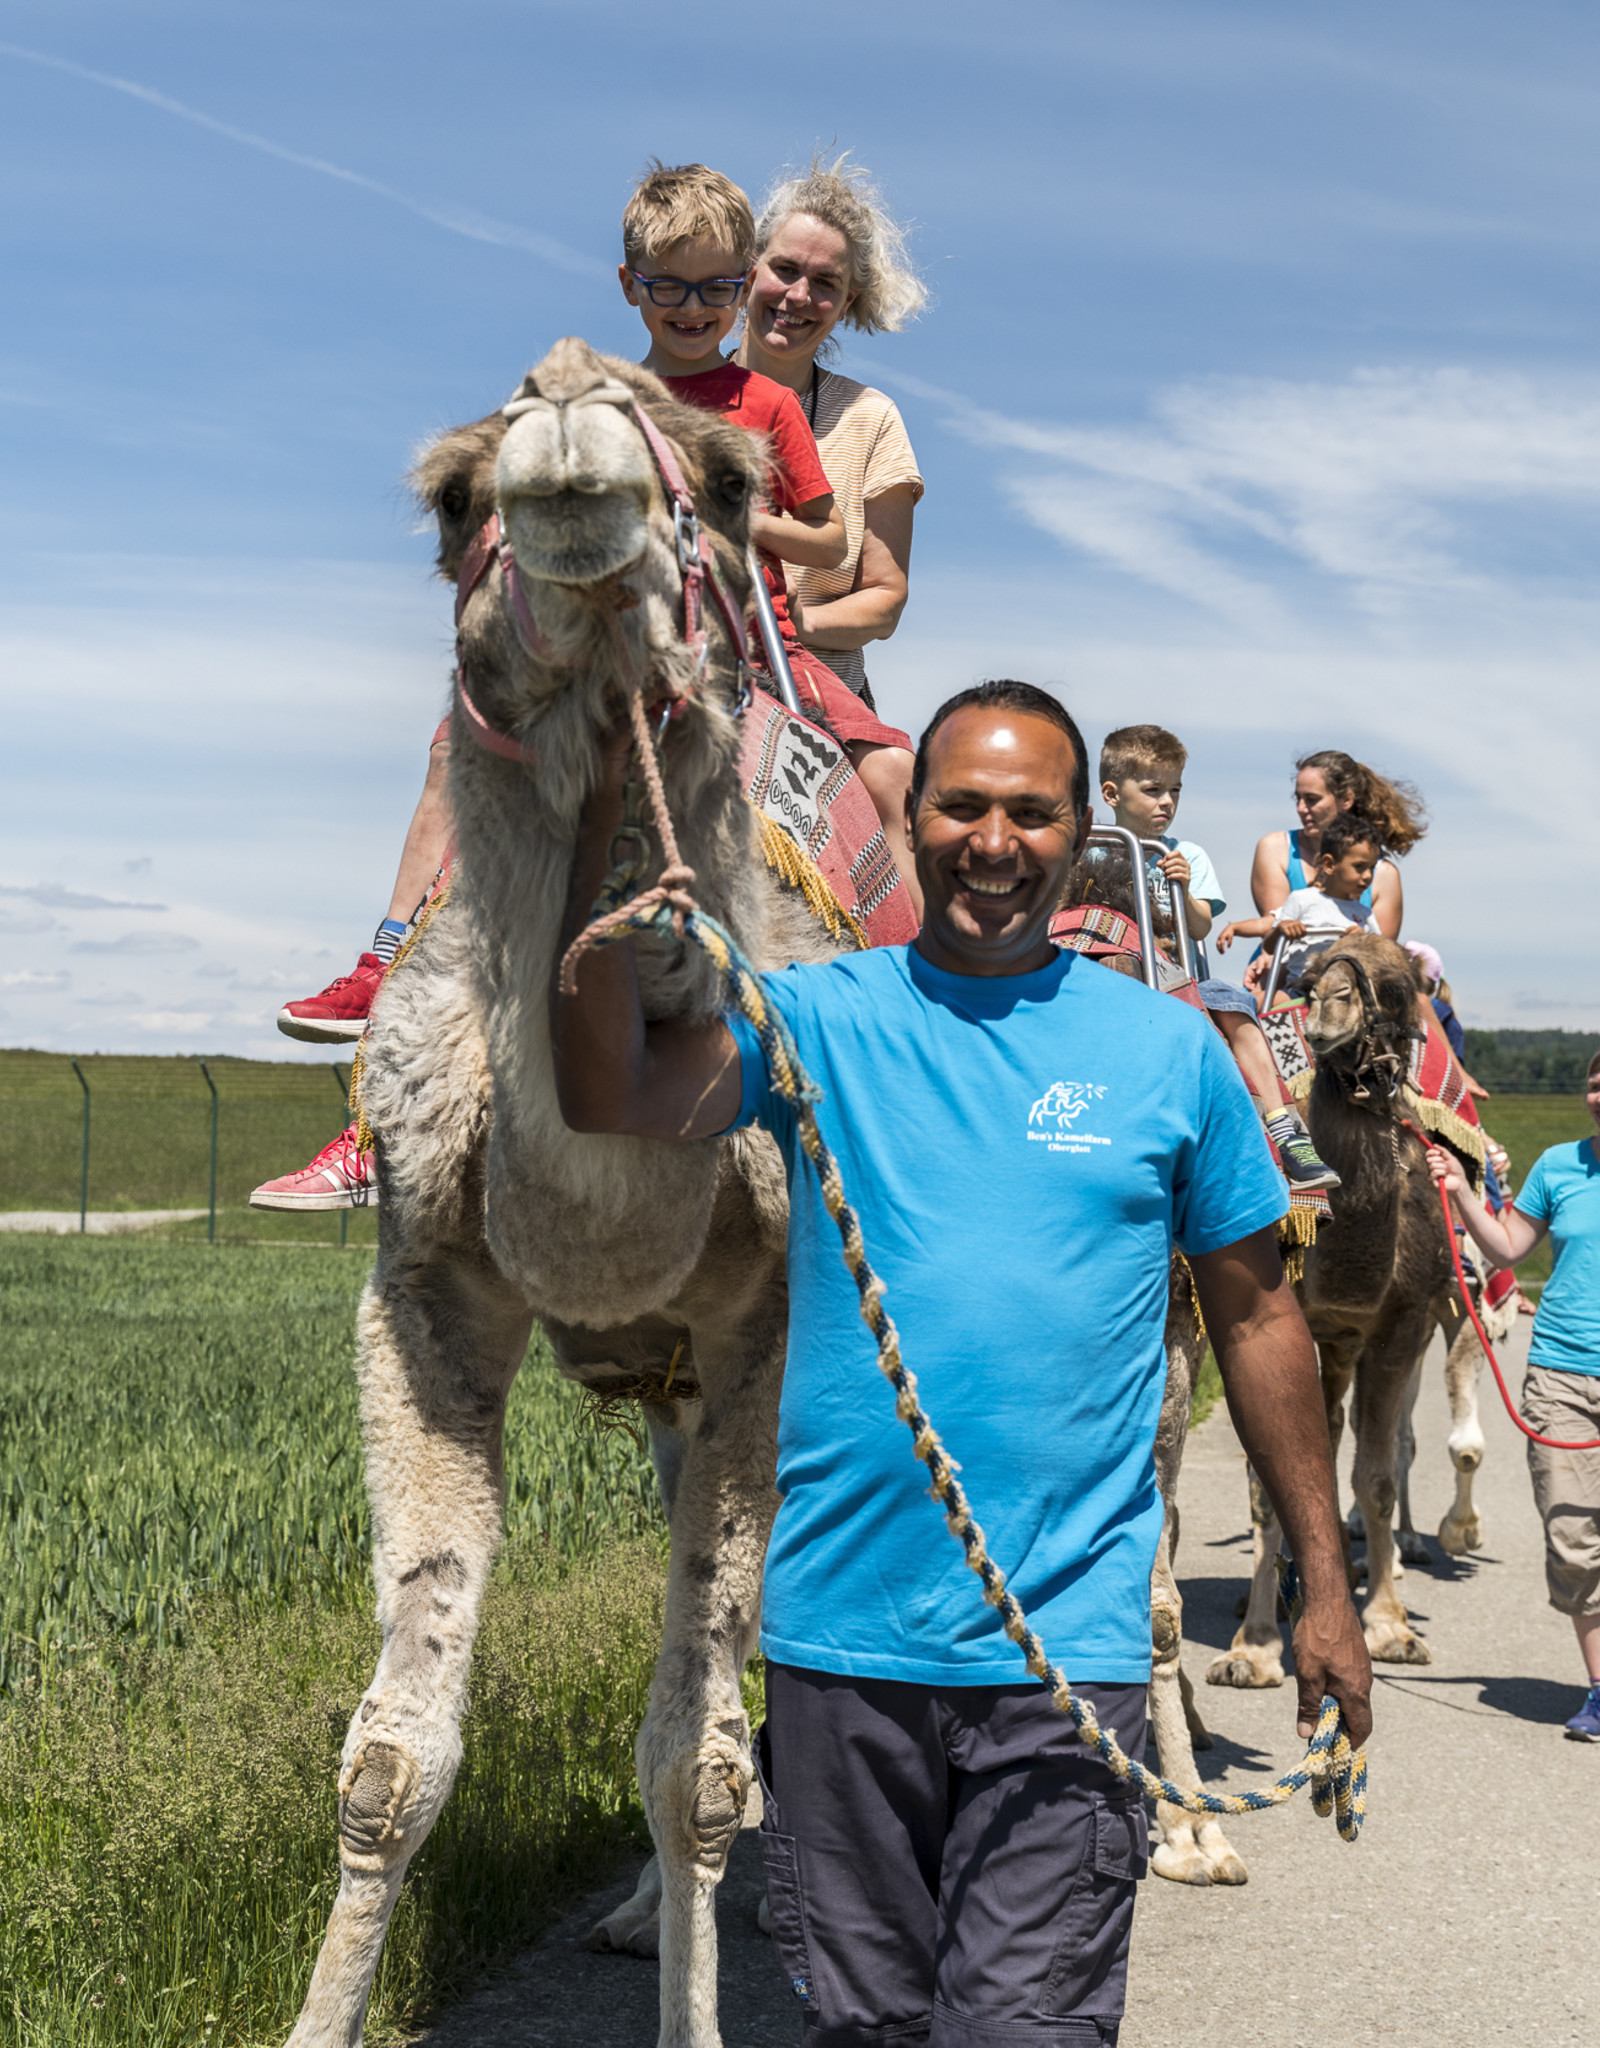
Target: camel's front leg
440,1346
1462,1528
694,1747
1255,1656
1382,1379
1410,1546
1191,1850
1187,1853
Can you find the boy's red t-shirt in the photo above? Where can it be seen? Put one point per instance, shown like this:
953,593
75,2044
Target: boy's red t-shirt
796,476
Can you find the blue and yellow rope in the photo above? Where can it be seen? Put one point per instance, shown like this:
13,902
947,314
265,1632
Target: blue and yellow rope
1336,1774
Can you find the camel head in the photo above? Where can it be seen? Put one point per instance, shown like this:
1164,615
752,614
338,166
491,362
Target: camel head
1363,1003
581,502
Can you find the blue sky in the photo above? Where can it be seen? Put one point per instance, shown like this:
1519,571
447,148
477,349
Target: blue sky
1257,396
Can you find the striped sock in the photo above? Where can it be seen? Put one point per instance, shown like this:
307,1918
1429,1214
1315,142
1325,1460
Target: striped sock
386,940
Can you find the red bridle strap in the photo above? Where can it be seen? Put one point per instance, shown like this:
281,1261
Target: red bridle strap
475,562
695,564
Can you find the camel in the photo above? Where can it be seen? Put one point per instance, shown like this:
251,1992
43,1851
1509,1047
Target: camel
651,1265
1461,1529
1375,1286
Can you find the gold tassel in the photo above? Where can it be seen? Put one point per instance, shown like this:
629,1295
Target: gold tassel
793,865
1445,1123
1297,1232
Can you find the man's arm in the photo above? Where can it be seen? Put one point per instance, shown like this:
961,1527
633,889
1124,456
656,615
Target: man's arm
1269,1372
615,1072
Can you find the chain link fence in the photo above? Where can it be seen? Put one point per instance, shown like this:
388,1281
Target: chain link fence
172,1146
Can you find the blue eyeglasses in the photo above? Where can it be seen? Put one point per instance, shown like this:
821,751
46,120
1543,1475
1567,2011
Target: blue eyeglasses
676,291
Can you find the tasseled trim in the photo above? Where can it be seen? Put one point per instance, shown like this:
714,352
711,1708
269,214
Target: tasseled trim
1297,1232
792,864
1463,1138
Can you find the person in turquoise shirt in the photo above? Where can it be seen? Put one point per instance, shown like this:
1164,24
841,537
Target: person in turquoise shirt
1026,1139
1560,1200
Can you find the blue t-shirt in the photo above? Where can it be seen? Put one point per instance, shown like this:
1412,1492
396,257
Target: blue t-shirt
1563,1190
1023,1151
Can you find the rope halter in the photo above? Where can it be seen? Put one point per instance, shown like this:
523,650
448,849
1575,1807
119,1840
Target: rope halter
1377,1058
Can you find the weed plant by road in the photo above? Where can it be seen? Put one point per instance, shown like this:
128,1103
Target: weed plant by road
187,1616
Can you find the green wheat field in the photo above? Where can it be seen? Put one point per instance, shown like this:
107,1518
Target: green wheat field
186,1626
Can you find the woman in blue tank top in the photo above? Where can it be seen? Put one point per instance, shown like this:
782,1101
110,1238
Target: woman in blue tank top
1326,784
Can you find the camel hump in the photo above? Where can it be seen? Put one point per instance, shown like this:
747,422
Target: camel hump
571,370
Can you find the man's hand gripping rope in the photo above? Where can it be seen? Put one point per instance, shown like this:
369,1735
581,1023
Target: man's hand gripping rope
1336,1773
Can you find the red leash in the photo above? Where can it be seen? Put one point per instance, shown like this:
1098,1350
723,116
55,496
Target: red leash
1551,1443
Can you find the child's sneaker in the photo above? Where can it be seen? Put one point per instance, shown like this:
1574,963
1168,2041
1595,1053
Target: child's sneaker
1303,1169
1585,1723
342,1009
340,1177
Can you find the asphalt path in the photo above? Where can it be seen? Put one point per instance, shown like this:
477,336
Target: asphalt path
1465,1914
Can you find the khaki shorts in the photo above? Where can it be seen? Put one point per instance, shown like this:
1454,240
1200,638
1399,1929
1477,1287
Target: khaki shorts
1566,1484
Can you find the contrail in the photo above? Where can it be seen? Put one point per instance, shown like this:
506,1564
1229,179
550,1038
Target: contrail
477,226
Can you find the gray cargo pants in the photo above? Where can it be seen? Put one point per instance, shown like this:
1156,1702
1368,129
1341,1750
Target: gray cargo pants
948,1864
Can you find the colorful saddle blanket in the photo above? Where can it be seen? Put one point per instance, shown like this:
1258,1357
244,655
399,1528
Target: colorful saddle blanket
1106,934
800,779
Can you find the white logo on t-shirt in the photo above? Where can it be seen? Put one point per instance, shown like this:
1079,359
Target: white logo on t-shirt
1063,1102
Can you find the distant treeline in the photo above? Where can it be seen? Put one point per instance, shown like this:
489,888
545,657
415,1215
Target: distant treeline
1531,1062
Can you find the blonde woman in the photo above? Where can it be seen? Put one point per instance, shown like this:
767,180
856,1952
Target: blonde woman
828,253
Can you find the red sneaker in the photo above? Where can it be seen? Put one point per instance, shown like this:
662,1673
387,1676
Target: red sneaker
339,1177
342,1009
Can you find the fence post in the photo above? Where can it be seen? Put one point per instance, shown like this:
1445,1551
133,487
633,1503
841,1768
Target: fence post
342,1082
83,1177
211,1226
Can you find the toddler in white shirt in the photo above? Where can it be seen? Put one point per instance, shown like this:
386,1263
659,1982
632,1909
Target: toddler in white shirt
1310,920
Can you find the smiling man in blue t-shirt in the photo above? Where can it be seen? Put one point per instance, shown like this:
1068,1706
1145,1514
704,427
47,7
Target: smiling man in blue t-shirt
1026,1137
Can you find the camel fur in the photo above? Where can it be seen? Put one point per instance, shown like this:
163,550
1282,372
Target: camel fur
632,1253
1376,1285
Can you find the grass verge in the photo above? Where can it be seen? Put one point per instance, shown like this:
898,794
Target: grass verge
168,1854
186,1607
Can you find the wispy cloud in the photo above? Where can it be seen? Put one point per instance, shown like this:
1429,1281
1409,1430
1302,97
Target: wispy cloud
139,942
29,979
477,227
54,897
24,923
1381,484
